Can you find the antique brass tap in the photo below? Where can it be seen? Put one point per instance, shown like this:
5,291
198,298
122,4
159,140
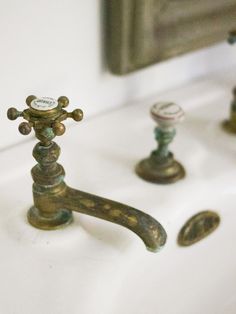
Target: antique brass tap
229,125
161,167
54,201
232,37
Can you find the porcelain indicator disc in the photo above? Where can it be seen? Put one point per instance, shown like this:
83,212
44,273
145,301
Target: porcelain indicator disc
44,103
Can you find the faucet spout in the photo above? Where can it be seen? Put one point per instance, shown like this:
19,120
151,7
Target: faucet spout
54,209
146,227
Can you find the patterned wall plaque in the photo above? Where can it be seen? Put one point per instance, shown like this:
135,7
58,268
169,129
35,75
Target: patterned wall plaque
143,32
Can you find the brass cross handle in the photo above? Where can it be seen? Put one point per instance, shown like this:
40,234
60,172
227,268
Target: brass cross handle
45,115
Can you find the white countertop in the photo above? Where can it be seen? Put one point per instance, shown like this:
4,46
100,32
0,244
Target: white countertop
96,267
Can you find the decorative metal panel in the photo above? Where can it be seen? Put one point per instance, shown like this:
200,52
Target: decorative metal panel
143,32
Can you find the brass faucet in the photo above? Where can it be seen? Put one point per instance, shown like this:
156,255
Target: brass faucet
54,201
232,37
161,167
229,125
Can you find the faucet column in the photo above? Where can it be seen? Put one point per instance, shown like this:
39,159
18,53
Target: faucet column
229,125
49,183
161,167
45,116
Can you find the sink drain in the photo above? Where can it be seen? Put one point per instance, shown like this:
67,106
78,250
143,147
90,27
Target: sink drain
198,227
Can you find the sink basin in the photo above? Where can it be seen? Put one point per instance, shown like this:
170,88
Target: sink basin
95,267
196,279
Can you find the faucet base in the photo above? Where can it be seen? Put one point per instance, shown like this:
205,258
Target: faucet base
229,126
160,171
60,219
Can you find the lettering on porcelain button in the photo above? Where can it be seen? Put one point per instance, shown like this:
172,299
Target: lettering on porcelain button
166,110
44,103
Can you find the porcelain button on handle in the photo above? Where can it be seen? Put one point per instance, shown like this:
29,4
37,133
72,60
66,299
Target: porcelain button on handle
167,114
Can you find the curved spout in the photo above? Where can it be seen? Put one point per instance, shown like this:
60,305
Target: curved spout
147,228
54,202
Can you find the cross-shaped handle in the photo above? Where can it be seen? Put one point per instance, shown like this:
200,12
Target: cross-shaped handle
45,115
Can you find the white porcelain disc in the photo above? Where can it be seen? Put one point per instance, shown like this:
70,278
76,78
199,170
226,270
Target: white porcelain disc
167,112
44,103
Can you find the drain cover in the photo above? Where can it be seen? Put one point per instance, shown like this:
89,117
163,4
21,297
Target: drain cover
198,227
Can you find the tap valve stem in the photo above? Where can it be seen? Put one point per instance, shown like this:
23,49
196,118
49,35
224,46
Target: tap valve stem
160,167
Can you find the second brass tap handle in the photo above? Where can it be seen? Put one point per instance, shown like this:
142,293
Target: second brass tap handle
45,115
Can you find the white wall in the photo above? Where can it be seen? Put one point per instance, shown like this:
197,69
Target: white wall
53,48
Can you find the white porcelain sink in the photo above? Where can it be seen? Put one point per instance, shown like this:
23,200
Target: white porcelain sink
95,267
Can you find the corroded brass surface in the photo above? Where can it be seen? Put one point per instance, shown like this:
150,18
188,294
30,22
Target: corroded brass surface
54,201
232,37
230,124
161,167
165,171
198,227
